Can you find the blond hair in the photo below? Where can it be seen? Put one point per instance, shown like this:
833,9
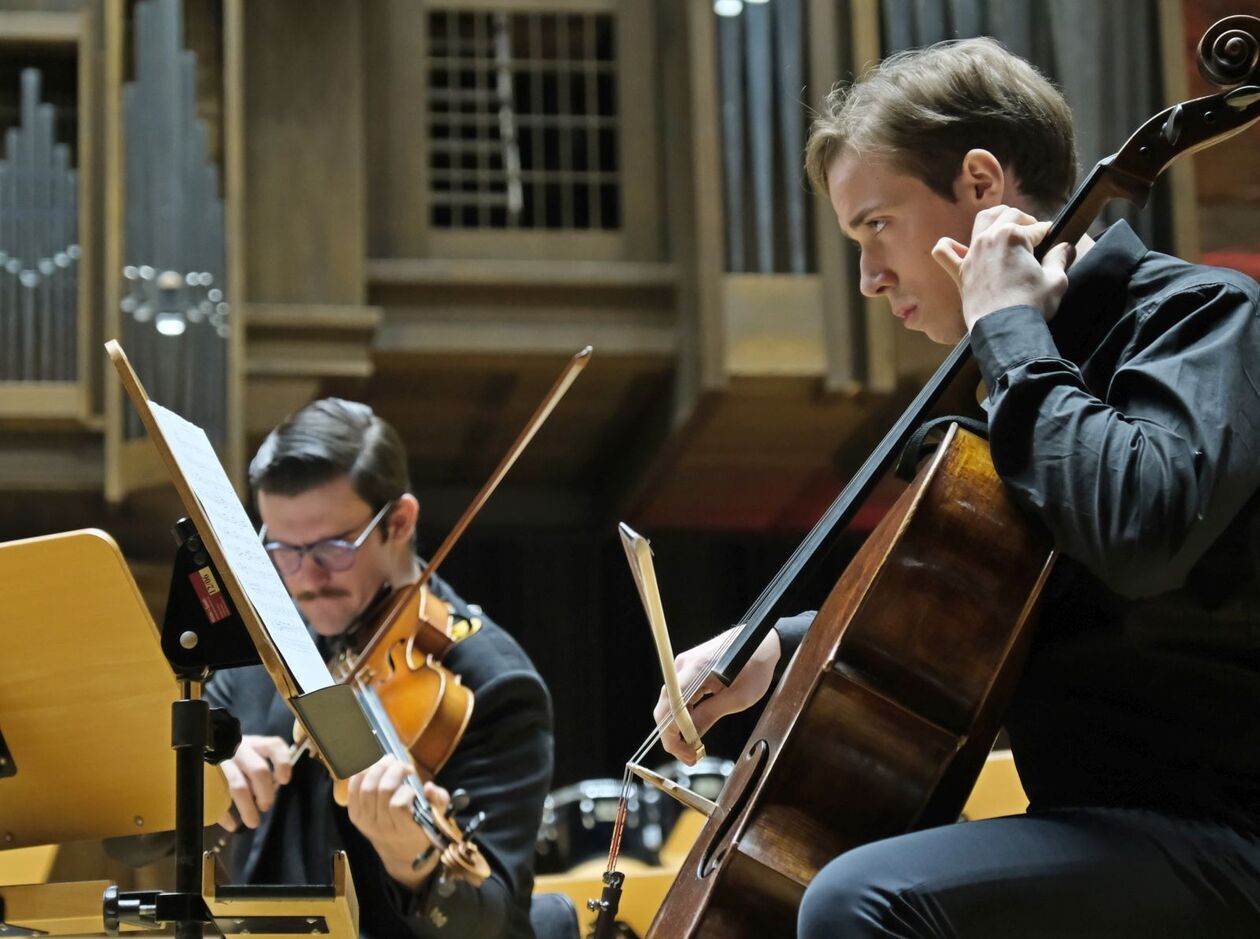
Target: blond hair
925,108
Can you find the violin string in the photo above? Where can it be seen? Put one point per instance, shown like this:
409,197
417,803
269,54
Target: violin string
422,810
614,843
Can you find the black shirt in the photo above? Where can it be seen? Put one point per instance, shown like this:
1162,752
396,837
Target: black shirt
1130,425
503,761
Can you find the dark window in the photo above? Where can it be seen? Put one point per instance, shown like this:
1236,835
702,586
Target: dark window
523,122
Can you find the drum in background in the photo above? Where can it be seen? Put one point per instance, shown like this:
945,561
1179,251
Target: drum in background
706,779
578,820
578,823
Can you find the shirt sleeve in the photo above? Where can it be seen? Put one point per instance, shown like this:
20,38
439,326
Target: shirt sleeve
1137,479
504,763
791,630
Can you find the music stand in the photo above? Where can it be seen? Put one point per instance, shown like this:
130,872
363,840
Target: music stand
86,702
85,698
329,712
223,586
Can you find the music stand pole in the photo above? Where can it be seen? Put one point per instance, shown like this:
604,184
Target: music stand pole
190,736
201,633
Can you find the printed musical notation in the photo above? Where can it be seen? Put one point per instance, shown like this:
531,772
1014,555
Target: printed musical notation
242,550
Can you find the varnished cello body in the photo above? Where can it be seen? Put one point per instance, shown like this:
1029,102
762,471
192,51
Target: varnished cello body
881,722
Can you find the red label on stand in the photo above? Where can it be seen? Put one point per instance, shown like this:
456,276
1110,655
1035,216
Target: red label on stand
209,594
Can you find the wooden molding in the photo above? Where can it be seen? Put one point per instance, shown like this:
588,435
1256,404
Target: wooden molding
310,340
789,342
41,399
509,273
32,26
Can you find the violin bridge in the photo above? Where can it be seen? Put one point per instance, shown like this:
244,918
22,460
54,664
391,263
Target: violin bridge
688,797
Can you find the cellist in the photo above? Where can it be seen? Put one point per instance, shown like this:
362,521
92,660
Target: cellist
332,487
1123,403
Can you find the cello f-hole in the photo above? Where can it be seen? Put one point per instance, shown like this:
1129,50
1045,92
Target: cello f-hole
743,780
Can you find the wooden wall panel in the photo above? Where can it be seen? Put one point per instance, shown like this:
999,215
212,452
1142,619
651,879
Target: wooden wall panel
394,66
305,214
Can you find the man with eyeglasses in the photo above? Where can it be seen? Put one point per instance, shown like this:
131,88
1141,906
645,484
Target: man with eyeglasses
332,488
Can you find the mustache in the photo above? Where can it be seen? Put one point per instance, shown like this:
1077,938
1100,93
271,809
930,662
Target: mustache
327,593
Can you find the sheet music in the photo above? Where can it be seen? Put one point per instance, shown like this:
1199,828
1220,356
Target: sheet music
243,551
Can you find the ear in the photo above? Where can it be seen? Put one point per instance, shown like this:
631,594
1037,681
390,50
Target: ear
981,182
403,518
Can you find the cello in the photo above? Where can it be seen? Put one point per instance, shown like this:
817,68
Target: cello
882,719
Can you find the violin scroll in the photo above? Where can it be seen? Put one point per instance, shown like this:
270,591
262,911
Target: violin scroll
1229,52
461,858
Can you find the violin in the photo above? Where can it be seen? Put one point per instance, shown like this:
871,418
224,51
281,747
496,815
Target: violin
402,666
418,707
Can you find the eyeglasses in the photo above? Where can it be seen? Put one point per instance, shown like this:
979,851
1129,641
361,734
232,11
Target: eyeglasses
332,554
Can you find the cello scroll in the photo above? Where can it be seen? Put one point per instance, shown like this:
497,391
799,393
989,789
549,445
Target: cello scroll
1229,52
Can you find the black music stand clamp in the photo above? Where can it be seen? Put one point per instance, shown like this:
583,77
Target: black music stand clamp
201,633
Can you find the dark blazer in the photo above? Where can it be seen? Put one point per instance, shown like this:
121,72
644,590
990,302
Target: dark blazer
504,762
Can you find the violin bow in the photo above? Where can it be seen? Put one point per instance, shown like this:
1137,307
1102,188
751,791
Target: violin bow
567,377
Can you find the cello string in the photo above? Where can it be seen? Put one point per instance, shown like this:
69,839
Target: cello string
693,688
839,509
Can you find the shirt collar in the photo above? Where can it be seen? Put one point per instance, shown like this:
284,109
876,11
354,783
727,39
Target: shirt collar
1097,289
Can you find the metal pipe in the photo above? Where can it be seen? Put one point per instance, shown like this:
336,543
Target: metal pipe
13,265
968,18
173,227
760,120
28,242
44,293
789,40
731,74
72,274
57,276
898,26
8,311
929,22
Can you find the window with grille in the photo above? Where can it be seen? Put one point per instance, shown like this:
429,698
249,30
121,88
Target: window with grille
522,121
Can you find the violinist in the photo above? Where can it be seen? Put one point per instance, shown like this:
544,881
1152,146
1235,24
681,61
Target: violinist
332,489
1123,406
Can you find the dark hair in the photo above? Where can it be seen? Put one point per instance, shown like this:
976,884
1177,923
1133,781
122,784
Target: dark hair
328,439
925,108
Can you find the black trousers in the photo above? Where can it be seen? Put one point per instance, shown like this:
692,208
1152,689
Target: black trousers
1067,874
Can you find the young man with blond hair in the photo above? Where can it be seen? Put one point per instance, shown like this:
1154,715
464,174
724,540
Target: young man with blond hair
1124,414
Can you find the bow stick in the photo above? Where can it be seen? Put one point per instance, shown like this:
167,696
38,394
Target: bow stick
639,554
540,415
